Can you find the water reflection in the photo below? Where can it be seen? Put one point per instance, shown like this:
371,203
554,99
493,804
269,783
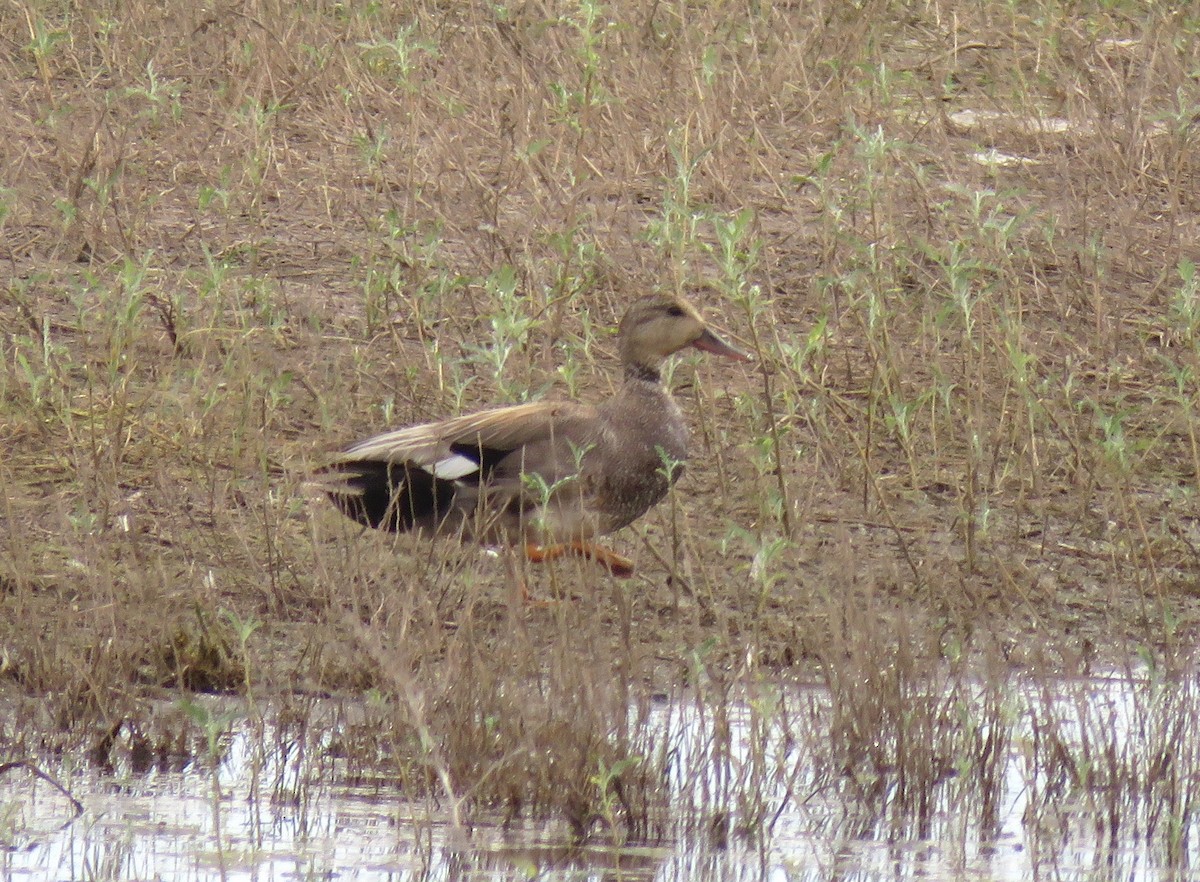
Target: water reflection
753,797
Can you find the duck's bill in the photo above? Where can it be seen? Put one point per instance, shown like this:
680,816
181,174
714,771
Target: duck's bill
710,342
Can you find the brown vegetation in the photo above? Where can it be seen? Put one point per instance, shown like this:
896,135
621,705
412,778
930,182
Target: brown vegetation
959,238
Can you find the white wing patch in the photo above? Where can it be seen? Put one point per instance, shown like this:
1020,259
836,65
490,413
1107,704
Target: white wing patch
453,467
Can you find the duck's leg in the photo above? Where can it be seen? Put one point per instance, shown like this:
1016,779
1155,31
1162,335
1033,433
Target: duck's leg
618,565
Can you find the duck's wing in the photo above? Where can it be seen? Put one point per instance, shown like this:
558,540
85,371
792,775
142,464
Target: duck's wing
456,447
419,476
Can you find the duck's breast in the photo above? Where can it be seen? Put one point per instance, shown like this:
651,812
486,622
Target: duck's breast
645,457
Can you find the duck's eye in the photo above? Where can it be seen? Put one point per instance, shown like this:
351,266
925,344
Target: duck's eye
675,311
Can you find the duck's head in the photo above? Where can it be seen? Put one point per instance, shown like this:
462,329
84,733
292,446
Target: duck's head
658,325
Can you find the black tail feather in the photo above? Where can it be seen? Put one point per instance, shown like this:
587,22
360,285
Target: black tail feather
391,496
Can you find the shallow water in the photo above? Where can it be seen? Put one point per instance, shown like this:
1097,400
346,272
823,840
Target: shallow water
277,807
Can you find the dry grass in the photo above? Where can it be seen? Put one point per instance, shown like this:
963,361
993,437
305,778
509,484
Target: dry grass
235,238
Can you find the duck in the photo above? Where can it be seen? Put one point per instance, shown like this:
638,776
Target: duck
546,477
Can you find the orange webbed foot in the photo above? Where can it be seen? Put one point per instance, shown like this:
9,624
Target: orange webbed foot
618,565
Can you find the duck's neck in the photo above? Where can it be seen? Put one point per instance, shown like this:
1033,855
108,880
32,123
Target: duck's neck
643,372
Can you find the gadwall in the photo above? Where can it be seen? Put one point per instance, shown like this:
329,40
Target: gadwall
548,475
